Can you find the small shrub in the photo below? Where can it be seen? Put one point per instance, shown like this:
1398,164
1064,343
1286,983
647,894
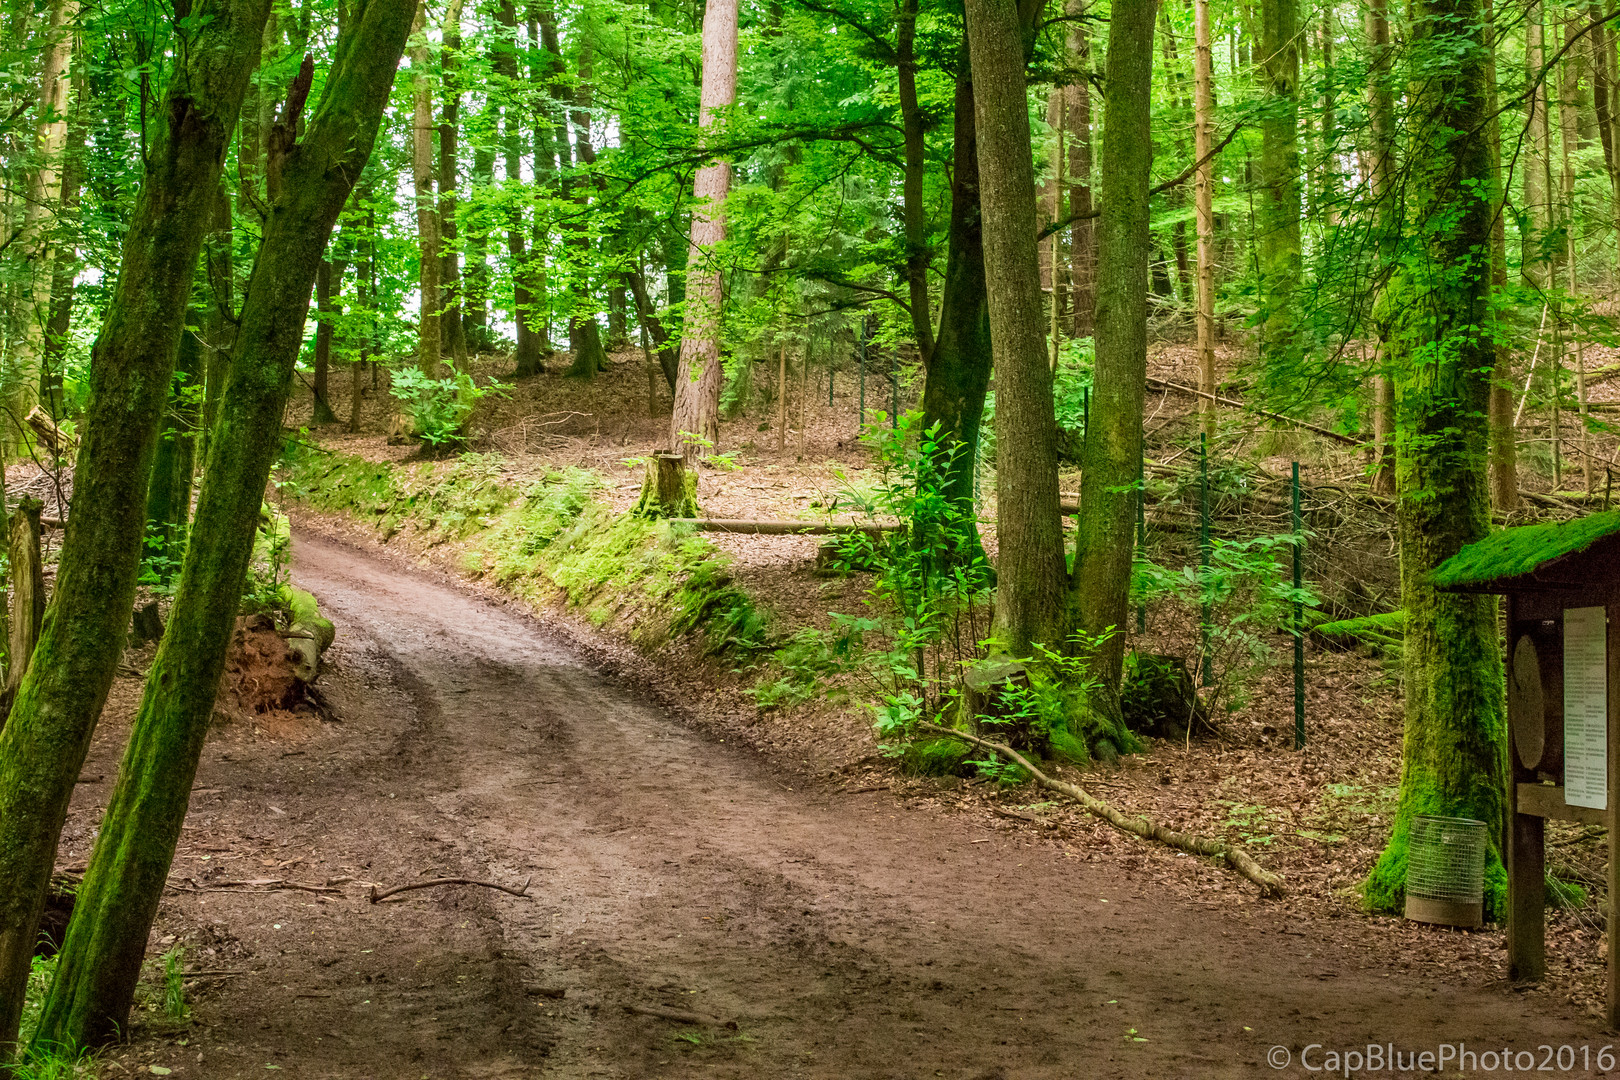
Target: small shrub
439,408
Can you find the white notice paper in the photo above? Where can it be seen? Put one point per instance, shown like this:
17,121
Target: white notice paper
1586,708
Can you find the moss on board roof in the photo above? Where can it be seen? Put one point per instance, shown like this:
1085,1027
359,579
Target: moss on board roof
1518,551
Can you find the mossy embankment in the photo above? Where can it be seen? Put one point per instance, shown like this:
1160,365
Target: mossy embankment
549,538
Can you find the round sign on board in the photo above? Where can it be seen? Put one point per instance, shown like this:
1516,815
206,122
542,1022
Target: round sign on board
1527,709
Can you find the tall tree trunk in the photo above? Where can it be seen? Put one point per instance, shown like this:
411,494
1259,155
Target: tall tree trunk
37,239
455,333
914,214
584,332
44,741
1083,233
1454,752
328,286
1533,263
475,281
503,61
1381,101
1113,457
647,316
427,211
1504,462
1029,567
1204,208
1605,100
1281,259
695,423
168,496
958,370
100,962
65,257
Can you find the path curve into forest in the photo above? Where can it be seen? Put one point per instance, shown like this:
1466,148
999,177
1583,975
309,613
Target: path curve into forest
846,935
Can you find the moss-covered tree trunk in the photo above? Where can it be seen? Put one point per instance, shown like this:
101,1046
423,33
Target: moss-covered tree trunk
1105,534
106,940
168,496
1278,237
328,283
44,742
1453,759
503,62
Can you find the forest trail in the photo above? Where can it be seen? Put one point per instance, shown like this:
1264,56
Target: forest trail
846,936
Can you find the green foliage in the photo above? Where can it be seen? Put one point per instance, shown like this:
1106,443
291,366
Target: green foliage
267,572
440,408
928,605
1245,597
174,985
42,1063
1383,632
1071,395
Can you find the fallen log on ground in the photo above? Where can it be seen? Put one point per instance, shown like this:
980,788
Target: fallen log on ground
521,890
1270,884
781,528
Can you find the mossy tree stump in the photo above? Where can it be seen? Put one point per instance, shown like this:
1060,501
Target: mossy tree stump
668,490
28,583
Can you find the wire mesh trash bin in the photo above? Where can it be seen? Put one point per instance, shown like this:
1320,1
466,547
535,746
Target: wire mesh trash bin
1445,871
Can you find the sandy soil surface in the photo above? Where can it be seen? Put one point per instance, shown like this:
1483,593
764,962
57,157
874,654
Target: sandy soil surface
828,932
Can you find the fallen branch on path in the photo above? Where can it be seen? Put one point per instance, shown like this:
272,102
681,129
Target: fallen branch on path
680,1016
522,890
1270,884
254,883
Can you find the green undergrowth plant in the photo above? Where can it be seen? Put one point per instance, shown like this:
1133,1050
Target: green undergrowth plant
440,408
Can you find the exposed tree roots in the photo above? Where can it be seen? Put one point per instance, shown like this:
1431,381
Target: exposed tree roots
1270,884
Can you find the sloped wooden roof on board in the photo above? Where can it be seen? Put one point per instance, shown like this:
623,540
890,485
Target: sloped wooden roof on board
1574,554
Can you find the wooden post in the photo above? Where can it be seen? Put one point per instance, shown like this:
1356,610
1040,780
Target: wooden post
781,398
28,583
1526,839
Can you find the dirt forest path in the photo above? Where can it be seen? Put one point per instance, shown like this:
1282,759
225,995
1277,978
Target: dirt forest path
846,936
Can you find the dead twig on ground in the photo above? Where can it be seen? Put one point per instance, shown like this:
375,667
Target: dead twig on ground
1270,884
680,1016
521,890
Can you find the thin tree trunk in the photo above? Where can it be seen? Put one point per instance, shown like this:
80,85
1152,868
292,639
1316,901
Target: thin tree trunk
1281,259
100,962
584,332
427,213
1083,233
958,371
1204,207
503,61
1381,95
43,743
1504,468
328,291
914,214
695,423
65,257
31,310
1113,457
168,496
28,585
455,333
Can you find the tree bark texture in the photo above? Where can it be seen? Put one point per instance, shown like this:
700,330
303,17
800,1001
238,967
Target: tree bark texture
32,309
100,961
1105,535
695,422
1453,756
1278,240
451,320
427,211
1083,233
1204,208
28,587
43,744
1029,568
168,494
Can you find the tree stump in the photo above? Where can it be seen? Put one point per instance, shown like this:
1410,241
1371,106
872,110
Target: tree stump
667,489
28,585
